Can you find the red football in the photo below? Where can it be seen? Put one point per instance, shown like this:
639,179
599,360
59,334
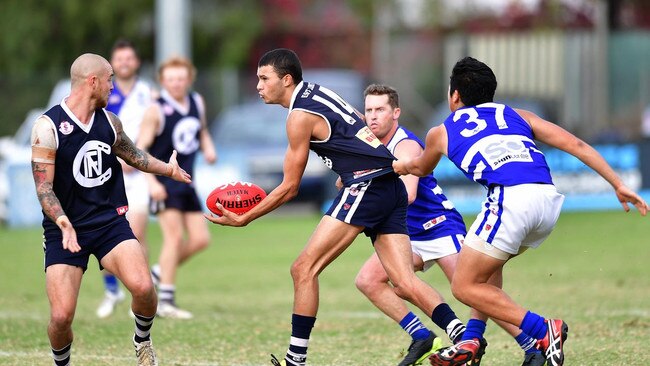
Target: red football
238,197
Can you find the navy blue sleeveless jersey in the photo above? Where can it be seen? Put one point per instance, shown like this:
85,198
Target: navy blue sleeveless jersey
351,149
431,215
493,145
88,177
180,131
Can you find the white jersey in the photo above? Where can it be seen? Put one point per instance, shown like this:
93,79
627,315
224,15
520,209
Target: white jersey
130,108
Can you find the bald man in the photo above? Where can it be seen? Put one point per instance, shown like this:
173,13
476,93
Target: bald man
80,187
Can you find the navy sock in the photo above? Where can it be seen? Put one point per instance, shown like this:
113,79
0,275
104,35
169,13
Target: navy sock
446,319
475,329
301,327
413,326
142,328
62,356
110,283
527,343
533,325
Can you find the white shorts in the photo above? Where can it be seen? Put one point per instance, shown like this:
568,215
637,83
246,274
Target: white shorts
517,216
430,250
137,191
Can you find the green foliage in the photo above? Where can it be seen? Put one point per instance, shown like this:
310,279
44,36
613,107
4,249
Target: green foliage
592,272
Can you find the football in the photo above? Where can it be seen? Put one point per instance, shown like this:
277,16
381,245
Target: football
237,197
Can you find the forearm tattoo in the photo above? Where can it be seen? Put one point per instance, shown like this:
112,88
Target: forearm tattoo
135,157
49,202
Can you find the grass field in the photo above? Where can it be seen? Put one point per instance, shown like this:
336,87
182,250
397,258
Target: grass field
593,272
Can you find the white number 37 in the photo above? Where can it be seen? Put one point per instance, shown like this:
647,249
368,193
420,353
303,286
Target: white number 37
480,124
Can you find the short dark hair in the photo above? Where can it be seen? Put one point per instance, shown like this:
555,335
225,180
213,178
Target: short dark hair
474,80
284,61
380,89
124,43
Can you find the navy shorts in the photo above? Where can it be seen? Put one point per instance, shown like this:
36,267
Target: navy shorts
98,242
379,205
184,201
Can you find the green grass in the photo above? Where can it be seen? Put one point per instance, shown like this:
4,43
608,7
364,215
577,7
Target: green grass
593,272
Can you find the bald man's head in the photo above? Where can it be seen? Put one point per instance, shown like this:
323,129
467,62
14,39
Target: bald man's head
88,64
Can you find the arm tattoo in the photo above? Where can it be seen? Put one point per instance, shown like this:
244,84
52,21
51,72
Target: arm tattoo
49,202
135,157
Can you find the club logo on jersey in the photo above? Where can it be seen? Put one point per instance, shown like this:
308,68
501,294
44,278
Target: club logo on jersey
346,206
167,109
66,128
488,227
88,166
354,191
184,136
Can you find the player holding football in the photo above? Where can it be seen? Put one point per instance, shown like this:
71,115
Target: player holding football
436,231
493,144
129,99
79,183
373,200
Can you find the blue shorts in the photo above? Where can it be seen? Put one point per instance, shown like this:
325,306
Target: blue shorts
185,201
379,205
97,242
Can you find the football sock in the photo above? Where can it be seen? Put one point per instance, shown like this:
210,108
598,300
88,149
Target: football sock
110,283
167,293
533,325
446,319
527,343
62,356
475,329
301,327
155,273
142,328
413,326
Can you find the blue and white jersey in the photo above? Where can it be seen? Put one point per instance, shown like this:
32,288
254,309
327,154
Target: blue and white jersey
431,215
179,130
88,177
130,108
351,149
493,145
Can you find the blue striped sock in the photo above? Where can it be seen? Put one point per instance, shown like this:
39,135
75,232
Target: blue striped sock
527,343
413,326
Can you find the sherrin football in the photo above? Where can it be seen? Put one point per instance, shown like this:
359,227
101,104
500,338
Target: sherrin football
238,197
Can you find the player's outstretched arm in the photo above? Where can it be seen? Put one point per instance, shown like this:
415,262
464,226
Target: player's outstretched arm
299,127
43,160
436,146
554,135
139,159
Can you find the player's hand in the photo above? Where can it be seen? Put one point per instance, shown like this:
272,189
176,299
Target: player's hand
625,195
69,234
399,166
227,218
177,172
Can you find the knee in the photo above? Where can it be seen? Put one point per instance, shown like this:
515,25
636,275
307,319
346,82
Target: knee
460,292
202,243
365,283
61,319
142,289
302,271
404,289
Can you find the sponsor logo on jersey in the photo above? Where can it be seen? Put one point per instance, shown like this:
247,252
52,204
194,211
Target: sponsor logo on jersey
307,92
363,173
346,206
122,210
66,127
433,222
